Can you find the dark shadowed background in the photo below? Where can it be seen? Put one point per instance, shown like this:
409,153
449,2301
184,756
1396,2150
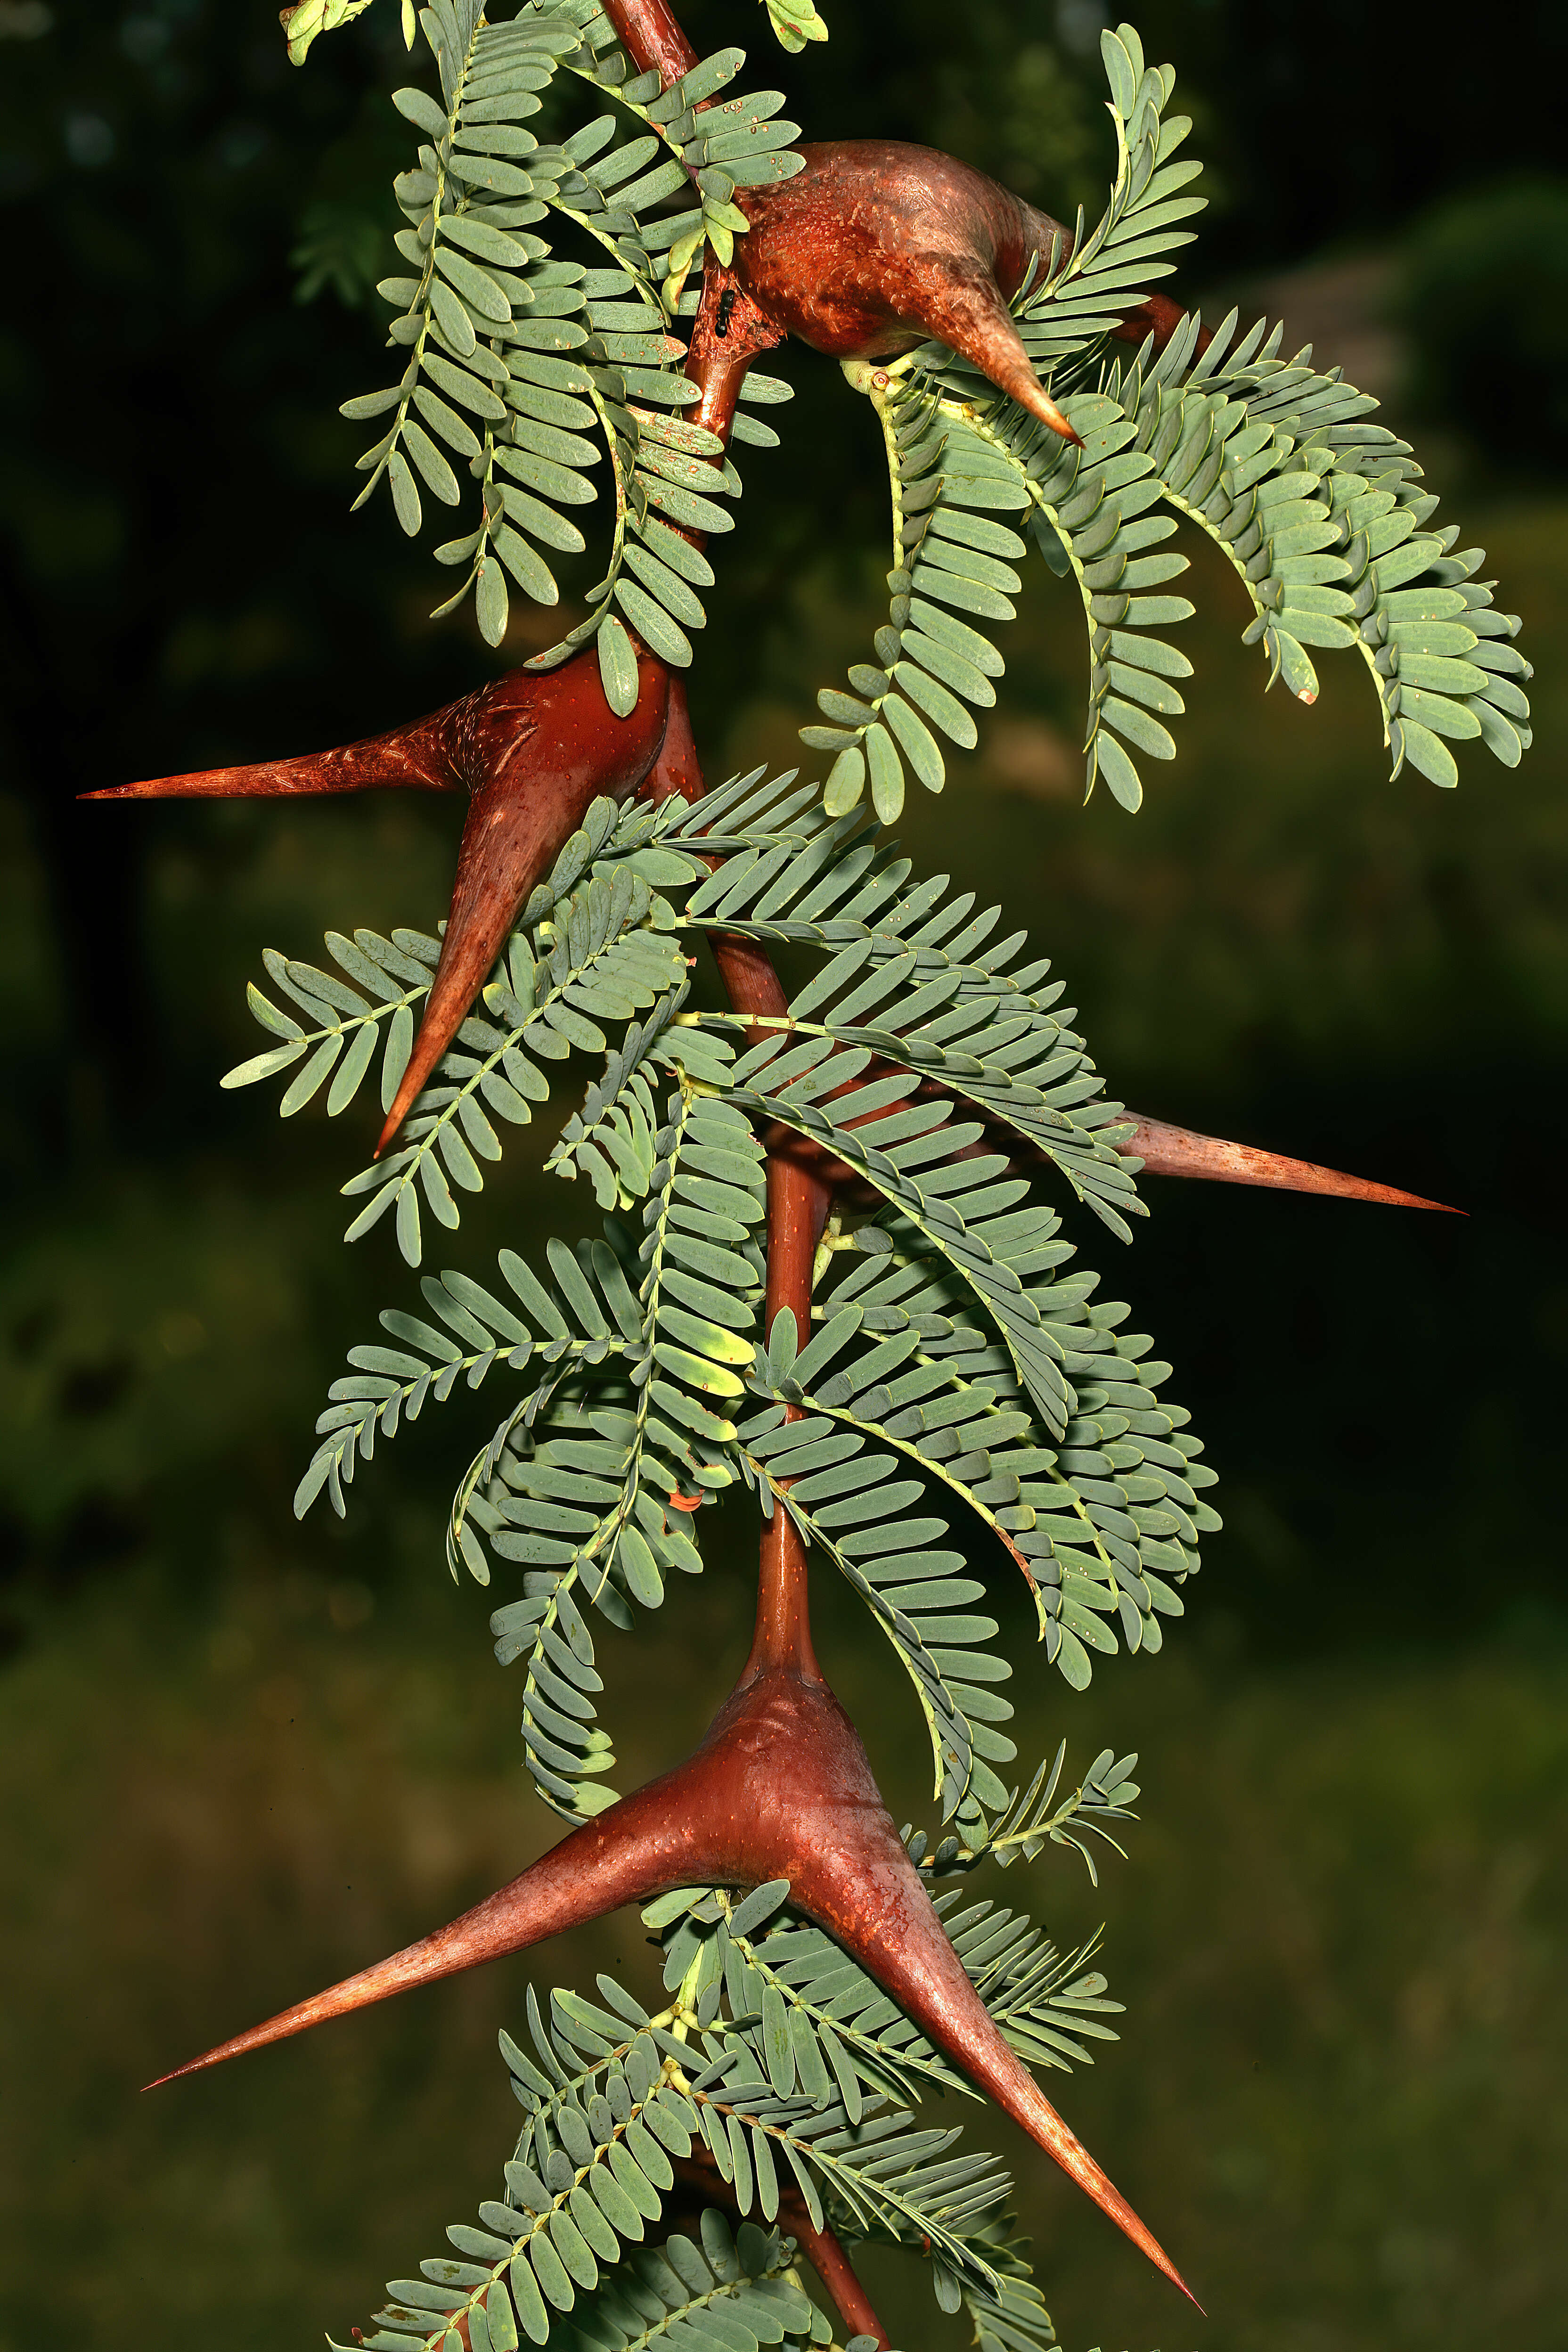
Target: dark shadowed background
240,1758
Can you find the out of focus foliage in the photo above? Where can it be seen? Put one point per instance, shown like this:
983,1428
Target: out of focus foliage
1484,305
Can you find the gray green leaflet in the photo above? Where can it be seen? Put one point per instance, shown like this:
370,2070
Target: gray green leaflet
588,1484
825,2028
796,22
958,1355
303,23
582,2194
595,1497
537,376
1101,1515
780,2062
1033,1818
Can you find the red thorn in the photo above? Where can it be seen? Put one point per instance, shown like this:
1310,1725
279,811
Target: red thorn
422,756
779,1789
677,768
539,747
533,749
1002,370
1178,1151
877,245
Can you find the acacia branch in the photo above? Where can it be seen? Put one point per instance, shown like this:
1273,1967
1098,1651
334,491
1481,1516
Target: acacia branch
780,1786
798,1197
651,37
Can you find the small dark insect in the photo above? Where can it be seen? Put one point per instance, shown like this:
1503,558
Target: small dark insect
726,305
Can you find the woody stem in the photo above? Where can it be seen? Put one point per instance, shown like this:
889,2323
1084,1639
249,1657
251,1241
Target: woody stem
835,2269
798,1211
798,1200
821,2248
798,1204
650,36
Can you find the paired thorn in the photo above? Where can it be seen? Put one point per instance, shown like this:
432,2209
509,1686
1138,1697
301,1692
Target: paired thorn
1178,1151
877,245
780,1788
535,764
531,750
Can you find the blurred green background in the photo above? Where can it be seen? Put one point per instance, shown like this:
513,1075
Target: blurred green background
241,1757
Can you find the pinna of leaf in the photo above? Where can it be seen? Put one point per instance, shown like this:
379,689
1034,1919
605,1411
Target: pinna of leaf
872,252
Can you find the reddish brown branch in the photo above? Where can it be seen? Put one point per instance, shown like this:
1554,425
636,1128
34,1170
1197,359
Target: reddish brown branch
821,2247
798,1204
798,1197
647,31
837,2271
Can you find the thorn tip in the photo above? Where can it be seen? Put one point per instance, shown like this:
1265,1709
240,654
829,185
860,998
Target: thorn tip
1167,1151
